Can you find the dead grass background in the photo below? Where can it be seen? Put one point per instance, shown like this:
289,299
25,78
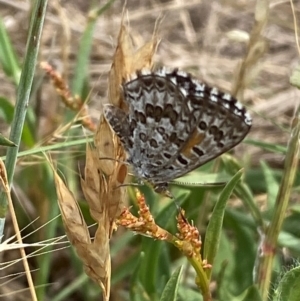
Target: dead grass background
205,38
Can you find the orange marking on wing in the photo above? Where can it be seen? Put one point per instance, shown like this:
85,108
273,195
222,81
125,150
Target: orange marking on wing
195,139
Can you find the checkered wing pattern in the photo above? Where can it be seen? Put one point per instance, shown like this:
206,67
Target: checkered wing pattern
174,124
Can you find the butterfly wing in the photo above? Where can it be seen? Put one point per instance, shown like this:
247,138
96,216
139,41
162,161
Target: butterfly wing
221,122
175,124
160,121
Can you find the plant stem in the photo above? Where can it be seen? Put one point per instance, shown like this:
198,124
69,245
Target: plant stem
269,242
23,94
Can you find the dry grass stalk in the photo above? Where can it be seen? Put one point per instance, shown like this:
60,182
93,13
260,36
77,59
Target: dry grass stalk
125,62
74,103
4,188
95,260
104,171
248,69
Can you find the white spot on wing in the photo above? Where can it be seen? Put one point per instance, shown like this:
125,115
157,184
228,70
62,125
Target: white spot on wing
214,91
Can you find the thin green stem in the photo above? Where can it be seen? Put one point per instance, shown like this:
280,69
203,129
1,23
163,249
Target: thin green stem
23,94
269,243
80,72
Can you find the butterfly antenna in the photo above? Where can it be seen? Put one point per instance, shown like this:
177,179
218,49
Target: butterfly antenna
129,184
198,184
169,194
179,209
113,159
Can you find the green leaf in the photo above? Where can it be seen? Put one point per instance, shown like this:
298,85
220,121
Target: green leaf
155,268
290,241
295,77
85,46
137,290
272,184
6,142
8,58
213,233
252,294
288,288
242,190
241,236
171,289
187,294
7,112
270,147
125,269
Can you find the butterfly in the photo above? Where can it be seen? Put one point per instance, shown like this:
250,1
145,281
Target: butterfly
174,124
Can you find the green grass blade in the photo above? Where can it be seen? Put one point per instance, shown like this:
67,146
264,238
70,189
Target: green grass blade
213,233
8,57
171,289
270,147
23,94
265,260
6,142
85,46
